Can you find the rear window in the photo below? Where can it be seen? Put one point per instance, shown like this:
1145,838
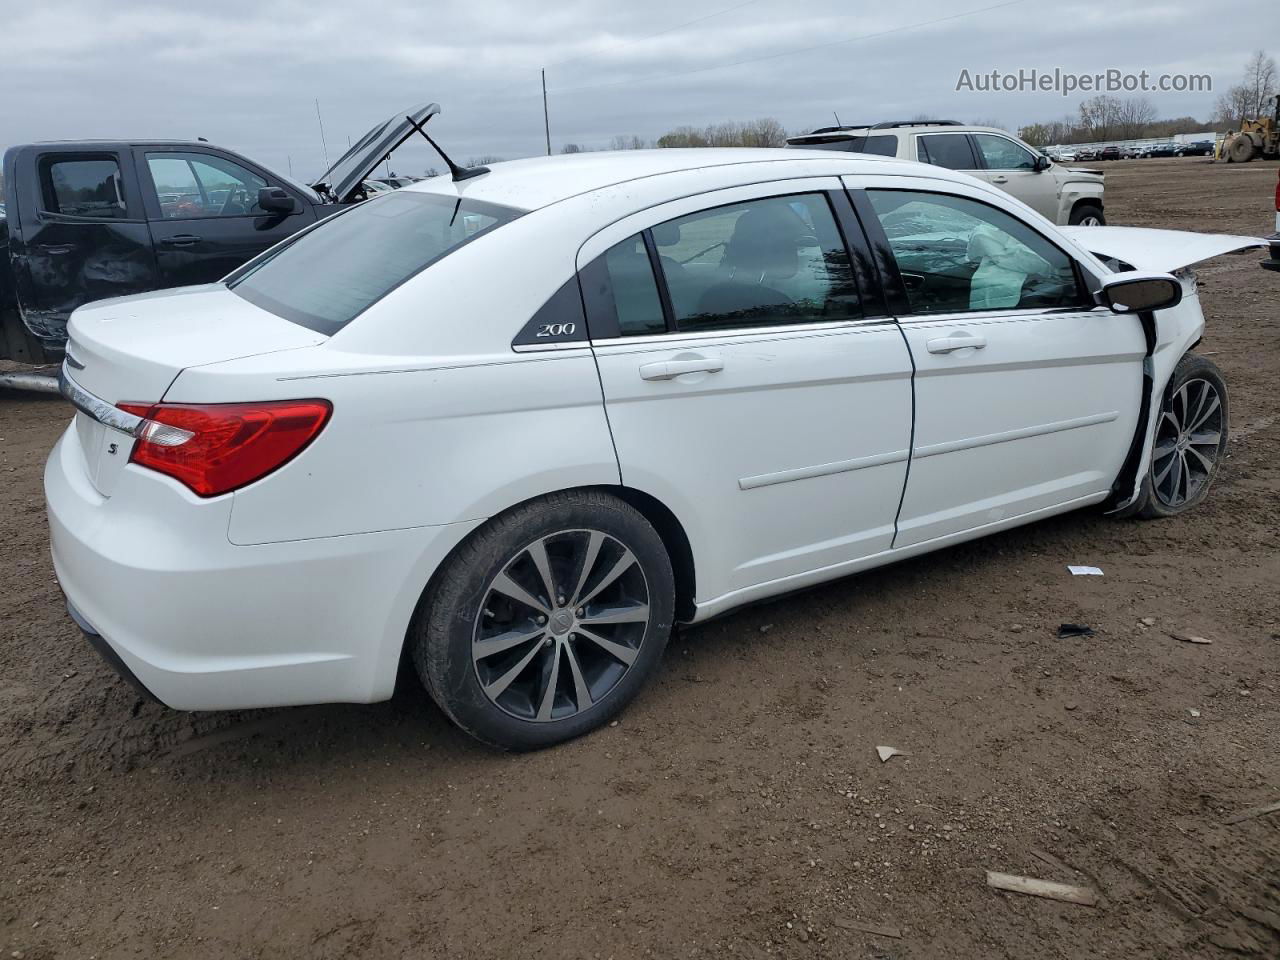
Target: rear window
333,273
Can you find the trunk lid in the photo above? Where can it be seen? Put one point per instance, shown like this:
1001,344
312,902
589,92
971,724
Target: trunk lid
1161,251
132,348
367,152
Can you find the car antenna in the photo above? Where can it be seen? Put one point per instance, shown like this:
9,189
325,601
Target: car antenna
459,173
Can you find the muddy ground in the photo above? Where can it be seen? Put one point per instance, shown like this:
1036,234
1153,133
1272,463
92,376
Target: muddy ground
738,808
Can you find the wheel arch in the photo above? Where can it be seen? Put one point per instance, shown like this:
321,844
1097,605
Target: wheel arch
664,521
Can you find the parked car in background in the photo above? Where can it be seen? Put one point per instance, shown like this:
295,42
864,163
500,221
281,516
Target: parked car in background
1109,153
1063,195
394,182
1065,156
95,219
376,186
1158,150
1197,148
278,485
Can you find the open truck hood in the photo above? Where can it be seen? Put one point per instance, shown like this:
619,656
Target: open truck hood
370,150
1160,251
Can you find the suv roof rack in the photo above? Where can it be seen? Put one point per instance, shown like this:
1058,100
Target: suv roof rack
916,123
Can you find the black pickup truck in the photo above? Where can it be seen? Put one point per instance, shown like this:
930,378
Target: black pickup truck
86,220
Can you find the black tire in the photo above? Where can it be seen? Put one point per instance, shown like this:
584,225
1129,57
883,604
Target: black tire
1240,149
1160,497
1087,211
463,604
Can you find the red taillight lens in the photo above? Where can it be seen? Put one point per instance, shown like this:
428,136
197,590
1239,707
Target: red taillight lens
215,448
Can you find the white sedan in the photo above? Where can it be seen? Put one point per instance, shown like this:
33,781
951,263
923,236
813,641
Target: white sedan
522,424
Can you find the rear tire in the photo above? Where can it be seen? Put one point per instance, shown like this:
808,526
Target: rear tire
547,621
1190,441
1087,215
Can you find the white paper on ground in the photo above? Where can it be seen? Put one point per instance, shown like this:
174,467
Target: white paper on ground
1084,571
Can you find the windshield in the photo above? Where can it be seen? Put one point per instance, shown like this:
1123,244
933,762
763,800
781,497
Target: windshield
331,274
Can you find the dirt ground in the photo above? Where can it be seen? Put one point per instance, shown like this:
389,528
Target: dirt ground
738,808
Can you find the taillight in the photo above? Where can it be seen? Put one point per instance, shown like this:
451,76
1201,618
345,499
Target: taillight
214,448
1278,194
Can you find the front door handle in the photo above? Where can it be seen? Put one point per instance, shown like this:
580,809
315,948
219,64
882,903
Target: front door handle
181,240
56,248
668,369
957,341
1000,179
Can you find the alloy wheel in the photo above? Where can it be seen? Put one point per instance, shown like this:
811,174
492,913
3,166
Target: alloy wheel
561,624
1187,442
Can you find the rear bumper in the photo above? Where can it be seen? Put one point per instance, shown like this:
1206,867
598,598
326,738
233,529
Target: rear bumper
203,624
105,651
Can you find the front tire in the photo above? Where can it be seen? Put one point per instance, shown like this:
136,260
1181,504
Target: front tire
1190,441
547,621
1087,215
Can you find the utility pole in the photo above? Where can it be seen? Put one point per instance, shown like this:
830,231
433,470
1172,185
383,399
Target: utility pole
546,117
322,143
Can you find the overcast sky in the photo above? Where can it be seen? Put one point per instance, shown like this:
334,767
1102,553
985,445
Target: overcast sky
245,73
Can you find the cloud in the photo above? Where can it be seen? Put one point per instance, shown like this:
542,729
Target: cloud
247,73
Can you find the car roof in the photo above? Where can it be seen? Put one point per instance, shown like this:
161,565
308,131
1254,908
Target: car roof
539,181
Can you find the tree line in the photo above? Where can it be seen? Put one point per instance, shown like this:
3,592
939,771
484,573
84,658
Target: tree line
1134,118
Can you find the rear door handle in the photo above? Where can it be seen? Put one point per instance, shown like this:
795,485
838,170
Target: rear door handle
56,248
181,240
957,341
668,369
1000,179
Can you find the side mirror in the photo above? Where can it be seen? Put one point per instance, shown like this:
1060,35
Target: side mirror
1043,163
276,200
1138,293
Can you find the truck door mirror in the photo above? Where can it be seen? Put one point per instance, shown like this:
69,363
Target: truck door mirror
1043,163
276,200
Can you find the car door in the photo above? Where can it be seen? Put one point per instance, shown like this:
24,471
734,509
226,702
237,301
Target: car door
80,235
751,379
1027,395
1013,168
202,208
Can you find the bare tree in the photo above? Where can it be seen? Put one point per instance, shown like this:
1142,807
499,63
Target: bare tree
1250,99
632,142
1134,115
1260,84
483,161
572,148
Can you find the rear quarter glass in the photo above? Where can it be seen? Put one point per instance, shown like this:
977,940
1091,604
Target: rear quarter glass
334,272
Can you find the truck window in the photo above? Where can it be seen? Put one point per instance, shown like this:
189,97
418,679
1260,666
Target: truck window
84,188
191,185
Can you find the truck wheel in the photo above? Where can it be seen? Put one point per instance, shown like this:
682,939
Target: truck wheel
1087,215
547,621
1240,150
1190,442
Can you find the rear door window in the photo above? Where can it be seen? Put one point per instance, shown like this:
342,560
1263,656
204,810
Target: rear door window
950,150
777,260
328,275
84,188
